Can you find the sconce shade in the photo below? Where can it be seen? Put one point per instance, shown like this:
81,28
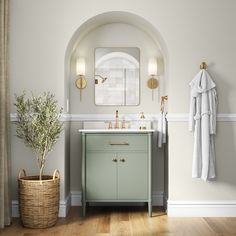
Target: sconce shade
152,66
80,66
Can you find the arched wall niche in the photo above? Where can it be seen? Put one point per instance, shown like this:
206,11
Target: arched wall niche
115,17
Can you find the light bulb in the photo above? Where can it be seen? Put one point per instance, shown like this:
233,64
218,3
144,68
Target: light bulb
80,66
152,66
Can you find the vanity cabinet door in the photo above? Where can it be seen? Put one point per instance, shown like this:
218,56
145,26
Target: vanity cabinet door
132,176
101,176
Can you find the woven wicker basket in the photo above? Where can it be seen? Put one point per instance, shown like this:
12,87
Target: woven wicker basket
38,200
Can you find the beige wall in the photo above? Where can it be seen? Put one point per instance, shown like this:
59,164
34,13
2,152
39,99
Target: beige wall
181,186
193,31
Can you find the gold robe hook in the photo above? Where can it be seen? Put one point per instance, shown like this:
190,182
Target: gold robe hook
203,66
163,98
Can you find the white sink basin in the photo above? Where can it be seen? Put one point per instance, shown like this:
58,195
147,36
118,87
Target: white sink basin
102,126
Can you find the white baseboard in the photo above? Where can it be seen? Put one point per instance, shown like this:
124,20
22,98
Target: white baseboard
63,208
201,209
15,208
157,198
76,198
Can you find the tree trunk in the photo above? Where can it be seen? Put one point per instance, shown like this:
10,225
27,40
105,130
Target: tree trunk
42,164
41,171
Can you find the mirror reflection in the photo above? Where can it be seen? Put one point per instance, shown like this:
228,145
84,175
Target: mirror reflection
117,76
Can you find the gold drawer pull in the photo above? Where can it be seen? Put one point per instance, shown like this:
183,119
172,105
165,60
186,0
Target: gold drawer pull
114,160
122,160
123,143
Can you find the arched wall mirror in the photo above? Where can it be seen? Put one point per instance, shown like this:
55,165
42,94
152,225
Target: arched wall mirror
116,76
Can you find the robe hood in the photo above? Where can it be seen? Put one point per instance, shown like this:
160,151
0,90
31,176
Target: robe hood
201,83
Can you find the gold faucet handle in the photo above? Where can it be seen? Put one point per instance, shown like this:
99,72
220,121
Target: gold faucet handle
142,115
117,121
108,124
123,124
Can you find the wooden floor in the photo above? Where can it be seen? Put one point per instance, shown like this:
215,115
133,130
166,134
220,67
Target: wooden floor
104,221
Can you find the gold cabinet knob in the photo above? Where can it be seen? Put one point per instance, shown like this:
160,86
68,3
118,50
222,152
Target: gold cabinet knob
114,160
122,160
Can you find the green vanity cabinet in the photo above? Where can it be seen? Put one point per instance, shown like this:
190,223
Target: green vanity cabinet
116,167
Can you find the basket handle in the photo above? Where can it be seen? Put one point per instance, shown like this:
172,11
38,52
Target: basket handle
20,173
56,174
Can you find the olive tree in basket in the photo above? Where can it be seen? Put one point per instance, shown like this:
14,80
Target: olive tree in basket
38,125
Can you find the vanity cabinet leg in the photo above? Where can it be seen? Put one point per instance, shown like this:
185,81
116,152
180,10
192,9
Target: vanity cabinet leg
150,209
84,208
83,203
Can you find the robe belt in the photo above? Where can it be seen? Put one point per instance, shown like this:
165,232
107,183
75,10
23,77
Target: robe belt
198,116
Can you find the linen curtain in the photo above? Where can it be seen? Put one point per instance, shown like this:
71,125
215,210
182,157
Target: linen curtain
5,209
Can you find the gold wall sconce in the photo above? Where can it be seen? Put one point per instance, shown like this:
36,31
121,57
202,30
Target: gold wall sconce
80,72
152,82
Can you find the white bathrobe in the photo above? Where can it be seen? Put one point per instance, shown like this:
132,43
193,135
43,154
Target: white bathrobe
202,120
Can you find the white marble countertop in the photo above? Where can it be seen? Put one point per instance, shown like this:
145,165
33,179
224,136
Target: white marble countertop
116,130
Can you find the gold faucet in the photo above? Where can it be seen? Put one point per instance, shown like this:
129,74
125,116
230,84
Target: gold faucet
117,120
123,123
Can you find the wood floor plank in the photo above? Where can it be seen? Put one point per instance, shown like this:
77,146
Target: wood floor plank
197,226
104,221
120,225
157,224
138,226
222,225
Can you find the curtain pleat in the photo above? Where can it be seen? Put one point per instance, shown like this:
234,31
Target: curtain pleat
5,199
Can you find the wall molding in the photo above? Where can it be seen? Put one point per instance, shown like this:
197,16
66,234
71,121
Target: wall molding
171,117
201,208
183,117
157,198
64,207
